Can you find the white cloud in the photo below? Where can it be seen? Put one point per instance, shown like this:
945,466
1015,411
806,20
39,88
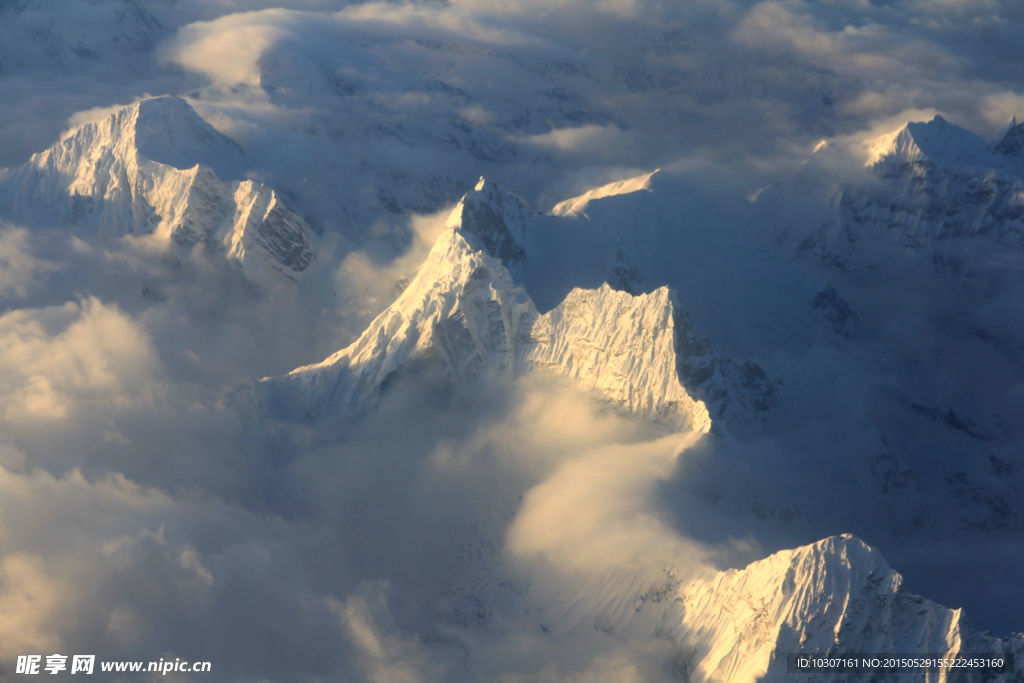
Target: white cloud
864,48
419,17
55,361
228,49
384,656
998,108
29,596
540,8
86,563
476,114
608,521
364,286
20,269
306,571
591,138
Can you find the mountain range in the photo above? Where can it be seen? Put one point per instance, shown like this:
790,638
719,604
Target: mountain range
849,353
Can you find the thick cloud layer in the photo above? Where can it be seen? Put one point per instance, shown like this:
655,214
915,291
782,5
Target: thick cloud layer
147,513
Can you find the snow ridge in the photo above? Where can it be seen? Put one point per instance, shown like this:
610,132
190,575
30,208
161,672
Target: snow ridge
578,205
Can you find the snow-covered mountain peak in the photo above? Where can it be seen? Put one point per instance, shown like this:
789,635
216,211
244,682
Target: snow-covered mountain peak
155,168
837,595
492,220
824,573
163,129
841,560
463,314
936,141
578,205
460,312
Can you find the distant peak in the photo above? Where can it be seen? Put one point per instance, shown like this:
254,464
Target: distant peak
937,141
578,205
480,184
